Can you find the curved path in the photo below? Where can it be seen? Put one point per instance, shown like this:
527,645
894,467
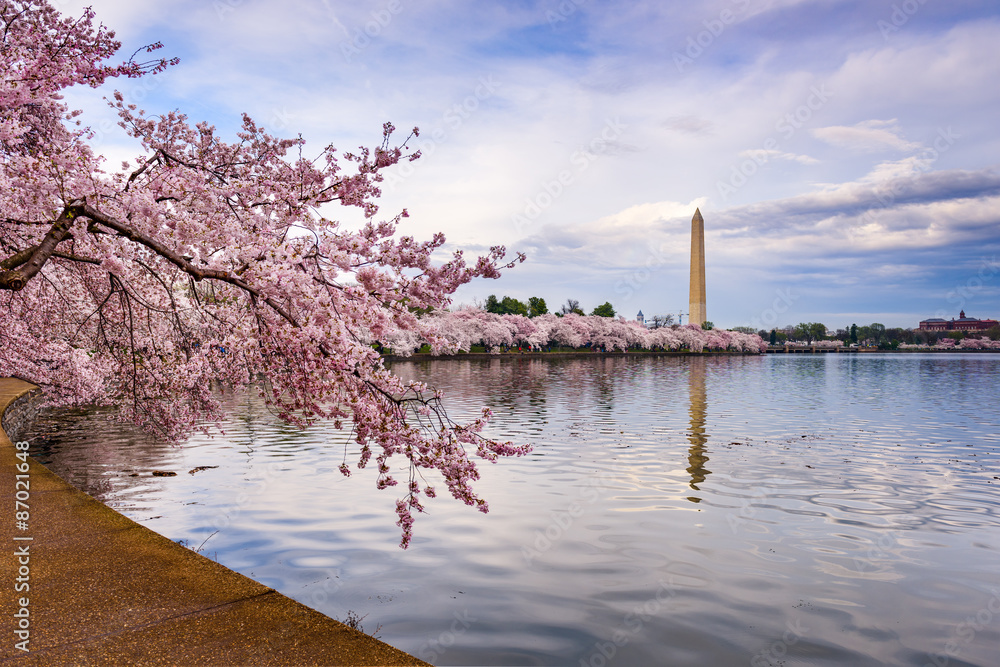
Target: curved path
98,588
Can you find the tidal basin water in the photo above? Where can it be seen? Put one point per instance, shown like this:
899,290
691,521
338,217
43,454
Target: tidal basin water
820,509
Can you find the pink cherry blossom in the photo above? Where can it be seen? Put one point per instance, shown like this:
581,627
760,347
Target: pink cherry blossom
457,331
214,262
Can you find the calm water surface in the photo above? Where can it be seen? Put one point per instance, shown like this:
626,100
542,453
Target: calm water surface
784,509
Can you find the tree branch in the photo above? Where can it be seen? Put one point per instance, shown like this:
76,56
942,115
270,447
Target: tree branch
138,172
25,265
180,262
76,258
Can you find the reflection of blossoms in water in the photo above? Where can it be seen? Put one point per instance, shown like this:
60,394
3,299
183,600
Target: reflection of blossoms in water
458,331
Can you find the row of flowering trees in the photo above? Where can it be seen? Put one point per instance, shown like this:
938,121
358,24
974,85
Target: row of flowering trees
459,330
821,344
983,343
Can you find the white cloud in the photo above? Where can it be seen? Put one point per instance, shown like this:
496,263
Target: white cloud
761,156
867,148
620,239
689,124
869,136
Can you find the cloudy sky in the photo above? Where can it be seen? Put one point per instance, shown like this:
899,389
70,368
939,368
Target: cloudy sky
845,154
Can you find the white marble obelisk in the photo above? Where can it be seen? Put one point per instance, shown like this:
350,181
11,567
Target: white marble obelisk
697,313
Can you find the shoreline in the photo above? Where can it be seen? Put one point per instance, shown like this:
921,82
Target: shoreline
426,356
92,586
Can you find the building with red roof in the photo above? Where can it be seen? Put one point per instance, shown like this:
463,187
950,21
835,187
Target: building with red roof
963,323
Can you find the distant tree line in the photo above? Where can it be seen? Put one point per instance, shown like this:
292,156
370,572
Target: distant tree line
870,335
536,306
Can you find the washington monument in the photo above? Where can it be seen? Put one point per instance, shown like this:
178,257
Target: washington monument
697,313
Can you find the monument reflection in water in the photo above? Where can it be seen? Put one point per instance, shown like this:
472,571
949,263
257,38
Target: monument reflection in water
697,456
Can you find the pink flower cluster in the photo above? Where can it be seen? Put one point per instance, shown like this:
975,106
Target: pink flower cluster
459,330
206,262
982,343
821,344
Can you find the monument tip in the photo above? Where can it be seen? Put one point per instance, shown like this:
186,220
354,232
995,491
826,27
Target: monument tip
697,215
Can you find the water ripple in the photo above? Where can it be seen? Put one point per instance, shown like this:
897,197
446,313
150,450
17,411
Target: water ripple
815,509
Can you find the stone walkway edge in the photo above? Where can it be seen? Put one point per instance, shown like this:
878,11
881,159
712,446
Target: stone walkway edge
84,585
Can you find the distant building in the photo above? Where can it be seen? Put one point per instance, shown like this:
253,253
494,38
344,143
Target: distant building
640,318
963,323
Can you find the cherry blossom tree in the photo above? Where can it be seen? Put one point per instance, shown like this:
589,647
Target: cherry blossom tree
523,329
663,338
204,261
982,343
453,332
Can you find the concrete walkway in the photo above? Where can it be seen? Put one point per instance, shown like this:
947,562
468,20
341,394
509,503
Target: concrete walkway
105,590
